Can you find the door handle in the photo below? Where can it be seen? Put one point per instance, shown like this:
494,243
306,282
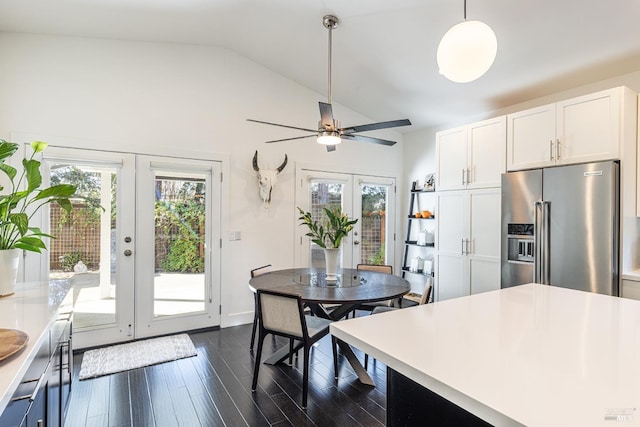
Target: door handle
463,177
356,242
128,252
467,242
468,176
550,149
461,246
557,149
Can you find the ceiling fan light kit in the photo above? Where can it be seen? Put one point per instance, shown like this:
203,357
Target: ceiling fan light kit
329,132
467,50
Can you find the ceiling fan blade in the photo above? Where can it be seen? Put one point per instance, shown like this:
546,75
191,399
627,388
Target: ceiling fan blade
331,148
291,139
376,126
282,126
363,138
326,115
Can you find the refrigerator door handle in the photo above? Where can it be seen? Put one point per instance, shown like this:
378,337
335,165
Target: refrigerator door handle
536,241
546,254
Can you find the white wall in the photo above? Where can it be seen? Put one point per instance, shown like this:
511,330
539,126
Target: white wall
183,100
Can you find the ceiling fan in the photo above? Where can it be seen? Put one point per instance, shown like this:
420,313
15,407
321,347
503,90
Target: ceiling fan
329,132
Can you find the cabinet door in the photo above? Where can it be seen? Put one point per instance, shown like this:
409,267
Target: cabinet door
588,127
484,236
452,225
451,147
531,138
486,152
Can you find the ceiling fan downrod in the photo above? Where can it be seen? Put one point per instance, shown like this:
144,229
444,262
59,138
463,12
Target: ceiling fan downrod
330,22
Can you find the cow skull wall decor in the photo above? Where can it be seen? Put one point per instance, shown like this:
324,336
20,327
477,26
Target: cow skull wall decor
267,179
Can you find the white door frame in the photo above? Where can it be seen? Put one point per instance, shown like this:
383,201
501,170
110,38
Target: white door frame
352,181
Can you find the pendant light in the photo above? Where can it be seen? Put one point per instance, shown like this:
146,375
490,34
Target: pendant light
467,50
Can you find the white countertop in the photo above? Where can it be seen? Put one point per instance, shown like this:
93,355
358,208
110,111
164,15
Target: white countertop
33,310
534,355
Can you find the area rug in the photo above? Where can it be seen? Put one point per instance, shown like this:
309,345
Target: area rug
122,357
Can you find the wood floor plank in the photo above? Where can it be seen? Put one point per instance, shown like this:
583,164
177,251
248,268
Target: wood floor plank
163,410
140,400
119,400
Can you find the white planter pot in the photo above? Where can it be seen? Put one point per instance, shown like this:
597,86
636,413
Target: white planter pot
331,263
9,262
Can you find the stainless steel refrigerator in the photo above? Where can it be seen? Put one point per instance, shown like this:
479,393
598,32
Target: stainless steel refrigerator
561,226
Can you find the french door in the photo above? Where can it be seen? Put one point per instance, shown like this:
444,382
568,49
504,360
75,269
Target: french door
371,199
138,245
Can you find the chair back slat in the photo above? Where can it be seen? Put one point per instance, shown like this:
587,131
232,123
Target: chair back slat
388,269
281,313
261,270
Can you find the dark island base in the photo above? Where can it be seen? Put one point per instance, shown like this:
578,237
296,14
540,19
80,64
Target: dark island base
410,404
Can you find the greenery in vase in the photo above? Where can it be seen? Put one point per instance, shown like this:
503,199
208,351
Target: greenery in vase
25,198
330,232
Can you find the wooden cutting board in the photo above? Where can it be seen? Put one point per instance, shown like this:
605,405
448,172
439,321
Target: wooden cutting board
11,342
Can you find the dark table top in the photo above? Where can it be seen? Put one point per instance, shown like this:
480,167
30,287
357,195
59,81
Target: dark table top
353,286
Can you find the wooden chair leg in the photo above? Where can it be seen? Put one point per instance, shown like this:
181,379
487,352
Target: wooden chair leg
305,377
255,323
334,345
256,367
290,351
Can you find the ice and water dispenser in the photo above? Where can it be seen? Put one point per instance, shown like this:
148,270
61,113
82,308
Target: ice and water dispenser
520,241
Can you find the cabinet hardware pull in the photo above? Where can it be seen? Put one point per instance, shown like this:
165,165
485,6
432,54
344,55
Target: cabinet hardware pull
558,149
551,150
466,244
468,176
463,178
461,246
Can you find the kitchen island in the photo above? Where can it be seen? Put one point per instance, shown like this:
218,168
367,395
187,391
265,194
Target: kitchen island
531,355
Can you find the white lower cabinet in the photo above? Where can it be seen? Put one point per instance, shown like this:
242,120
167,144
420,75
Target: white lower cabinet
467,242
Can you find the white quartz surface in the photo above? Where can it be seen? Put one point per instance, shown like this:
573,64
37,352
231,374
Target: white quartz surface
32,309
530,355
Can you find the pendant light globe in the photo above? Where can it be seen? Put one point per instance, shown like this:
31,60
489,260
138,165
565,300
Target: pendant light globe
467,51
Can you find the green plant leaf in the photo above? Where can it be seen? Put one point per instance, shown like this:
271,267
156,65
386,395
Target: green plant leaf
36,242
9,170
34,178
7,149
27,247
64,203
60,190
21,221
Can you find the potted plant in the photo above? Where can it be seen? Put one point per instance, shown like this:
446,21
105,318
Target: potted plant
328,234
19,201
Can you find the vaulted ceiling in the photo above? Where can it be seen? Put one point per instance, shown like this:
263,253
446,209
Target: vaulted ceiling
384,52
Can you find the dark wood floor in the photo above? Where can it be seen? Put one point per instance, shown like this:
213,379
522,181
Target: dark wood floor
214,388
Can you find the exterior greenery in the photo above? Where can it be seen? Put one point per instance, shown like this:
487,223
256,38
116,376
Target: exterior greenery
18,206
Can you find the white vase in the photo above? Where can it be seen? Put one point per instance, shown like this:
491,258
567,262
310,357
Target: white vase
331,263
9,262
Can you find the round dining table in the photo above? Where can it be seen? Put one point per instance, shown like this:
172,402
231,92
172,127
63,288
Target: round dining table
352,287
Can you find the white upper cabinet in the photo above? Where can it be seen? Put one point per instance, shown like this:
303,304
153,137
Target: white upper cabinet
582,129
451,152
471,156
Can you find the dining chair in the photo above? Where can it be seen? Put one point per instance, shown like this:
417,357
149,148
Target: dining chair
370,306
254,273
426,295
283,315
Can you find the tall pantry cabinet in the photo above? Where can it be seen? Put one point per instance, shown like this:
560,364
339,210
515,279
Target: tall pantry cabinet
470,161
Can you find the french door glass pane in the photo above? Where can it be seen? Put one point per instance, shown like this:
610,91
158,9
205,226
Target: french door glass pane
373,227
84,248
179,280
323,195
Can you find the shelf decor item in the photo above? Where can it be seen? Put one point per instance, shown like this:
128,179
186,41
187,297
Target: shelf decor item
18,204
328,232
